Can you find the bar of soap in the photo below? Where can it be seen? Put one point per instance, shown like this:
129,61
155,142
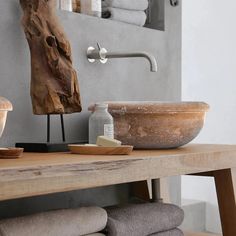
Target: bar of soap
107,142
90,145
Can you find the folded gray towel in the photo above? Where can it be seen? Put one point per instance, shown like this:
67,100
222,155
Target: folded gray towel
127,16
72,222
96,234
174,232
139,5
143,219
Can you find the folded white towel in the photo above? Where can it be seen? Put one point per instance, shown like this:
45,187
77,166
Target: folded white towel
72,222
127,16
139,5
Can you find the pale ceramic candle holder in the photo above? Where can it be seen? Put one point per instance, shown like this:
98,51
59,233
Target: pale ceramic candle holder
5,106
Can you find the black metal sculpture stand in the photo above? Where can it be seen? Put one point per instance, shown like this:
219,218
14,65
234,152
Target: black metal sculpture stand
49,128
48,146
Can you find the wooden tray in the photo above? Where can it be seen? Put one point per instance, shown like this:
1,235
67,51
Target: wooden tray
96,150
11,153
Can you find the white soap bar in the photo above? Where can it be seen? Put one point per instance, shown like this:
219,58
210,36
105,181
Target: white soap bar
107,142
90,145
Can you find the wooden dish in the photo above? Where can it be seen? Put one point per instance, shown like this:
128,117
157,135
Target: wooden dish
11,153
97,150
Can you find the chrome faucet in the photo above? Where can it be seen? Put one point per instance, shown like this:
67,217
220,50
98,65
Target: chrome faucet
102,55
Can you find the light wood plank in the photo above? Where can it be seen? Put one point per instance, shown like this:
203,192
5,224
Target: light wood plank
38,173
225,181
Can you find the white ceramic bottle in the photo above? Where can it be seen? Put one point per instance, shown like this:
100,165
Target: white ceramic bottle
100,123
91,7
5,106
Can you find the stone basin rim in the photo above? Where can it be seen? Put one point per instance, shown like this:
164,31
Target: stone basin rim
153,107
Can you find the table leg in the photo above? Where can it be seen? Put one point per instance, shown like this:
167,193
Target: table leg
225,181
160,190
152,189
141,190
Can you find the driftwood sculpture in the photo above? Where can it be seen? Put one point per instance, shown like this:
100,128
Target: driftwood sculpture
54,85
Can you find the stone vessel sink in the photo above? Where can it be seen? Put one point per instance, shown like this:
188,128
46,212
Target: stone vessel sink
157,125
5,106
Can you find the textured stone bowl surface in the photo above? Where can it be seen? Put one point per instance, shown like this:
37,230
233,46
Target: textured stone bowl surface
157,125
5,106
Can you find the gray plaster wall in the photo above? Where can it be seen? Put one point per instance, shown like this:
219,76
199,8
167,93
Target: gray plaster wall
119,79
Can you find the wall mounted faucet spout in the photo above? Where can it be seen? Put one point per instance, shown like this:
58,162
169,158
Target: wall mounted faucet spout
149,57
102,55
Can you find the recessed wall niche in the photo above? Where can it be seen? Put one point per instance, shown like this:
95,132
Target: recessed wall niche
155,13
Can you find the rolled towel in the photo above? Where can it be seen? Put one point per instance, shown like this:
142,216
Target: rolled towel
174,232
143,219
138,5
127,16
72,222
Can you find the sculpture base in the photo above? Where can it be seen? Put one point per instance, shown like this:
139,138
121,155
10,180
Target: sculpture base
44,147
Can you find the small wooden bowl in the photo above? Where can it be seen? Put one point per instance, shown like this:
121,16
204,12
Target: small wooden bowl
11,153
97,150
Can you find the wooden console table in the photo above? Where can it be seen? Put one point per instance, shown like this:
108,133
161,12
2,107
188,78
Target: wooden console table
37,173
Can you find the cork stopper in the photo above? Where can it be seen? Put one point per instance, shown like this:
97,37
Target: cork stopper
5,105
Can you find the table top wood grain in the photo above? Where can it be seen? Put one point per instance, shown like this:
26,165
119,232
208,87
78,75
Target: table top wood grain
43,173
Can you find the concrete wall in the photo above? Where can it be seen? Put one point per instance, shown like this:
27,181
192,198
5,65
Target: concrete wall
209,71
124,79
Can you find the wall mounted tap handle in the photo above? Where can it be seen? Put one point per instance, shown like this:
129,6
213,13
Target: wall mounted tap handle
97,54
102,55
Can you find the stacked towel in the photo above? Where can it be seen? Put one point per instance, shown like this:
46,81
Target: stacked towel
97,234
138,5
145,219
72,222
127,16
173,232
128,11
